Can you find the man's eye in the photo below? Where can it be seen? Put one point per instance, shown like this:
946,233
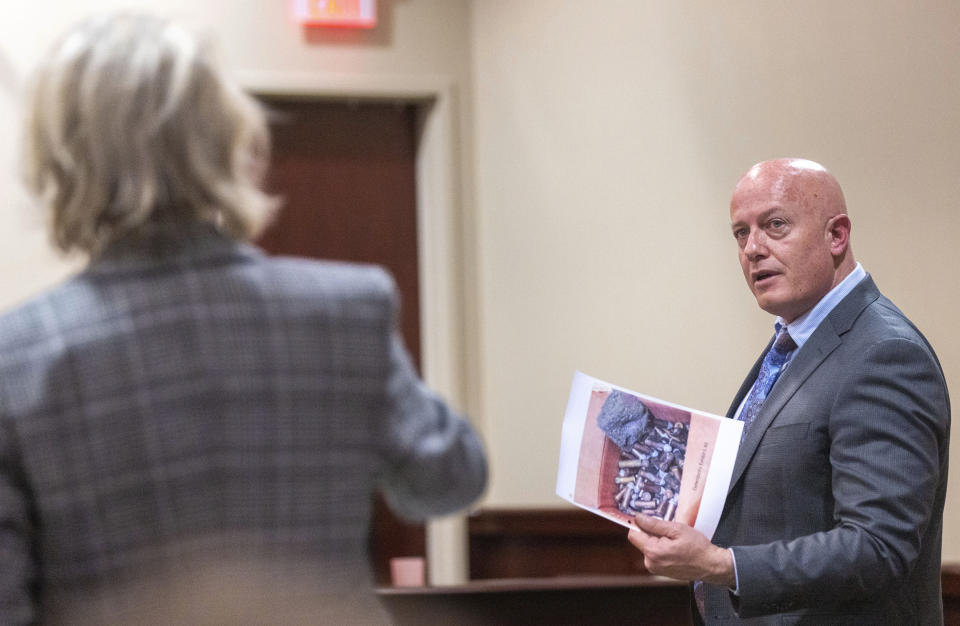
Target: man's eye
740,233
777,223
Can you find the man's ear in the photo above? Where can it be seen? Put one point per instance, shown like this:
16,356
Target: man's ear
838,234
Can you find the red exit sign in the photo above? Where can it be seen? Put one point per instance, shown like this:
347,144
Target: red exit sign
342,13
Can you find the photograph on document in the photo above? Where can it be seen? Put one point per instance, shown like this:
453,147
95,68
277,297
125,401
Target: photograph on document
625,453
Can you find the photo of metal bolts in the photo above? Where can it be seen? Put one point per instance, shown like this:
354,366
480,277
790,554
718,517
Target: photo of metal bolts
652,452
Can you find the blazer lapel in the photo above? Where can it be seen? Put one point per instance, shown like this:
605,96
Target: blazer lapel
824,340
810,356
748,381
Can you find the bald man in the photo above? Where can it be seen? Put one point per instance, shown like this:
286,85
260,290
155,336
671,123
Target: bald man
835,508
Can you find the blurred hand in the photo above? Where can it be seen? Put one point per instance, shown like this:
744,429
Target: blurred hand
678,551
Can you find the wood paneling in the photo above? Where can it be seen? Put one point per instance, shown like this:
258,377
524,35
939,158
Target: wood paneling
552,543
630,600
950,581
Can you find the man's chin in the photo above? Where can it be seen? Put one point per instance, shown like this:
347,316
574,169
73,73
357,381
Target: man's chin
781,309
771,305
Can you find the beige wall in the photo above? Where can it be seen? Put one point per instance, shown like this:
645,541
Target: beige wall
596,154
608,138
417,41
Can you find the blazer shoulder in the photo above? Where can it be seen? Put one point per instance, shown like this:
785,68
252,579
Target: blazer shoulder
867,311
35,318
884,319
322,280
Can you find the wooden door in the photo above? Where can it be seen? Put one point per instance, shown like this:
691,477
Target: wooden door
347,174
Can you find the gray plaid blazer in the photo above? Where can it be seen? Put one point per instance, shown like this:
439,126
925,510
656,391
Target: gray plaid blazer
205,397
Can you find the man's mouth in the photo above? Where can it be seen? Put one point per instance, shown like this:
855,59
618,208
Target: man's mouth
762,277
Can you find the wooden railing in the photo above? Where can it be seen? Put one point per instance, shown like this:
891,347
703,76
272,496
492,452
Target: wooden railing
547,543
561,566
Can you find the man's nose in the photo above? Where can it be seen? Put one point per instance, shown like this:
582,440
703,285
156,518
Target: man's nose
756,246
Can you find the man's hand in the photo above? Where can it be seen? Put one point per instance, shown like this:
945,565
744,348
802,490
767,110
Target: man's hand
677,551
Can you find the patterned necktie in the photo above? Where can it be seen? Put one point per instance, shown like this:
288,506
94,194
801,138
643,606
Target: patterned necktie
770,370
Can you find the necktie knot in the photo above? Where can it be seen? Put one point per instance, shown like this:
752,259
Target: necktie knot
784,343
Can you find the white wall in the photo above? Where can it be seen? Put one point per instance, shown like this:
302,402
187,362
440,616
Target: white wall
609,136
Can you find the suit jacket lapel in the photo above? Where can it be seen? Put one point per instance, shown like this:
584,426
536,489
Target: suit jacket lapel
824,340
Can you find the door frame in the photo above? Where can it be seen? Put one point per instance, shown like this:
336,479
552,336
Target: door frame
441,269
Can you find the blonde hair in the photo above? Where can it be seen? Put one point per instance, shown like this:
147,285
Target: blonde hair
134,130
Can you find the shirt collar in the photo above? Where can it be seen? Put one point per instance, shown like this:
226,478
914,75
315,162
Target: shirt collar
801,328
191,245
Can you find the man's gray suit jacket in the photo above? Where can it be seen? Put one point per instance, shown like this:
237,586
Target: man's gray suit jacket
835,507
207,399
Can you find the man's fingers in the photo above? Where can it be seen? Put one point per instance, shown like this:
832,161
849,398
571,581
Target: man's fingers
638,538
653,525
